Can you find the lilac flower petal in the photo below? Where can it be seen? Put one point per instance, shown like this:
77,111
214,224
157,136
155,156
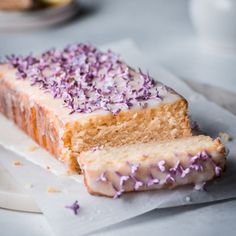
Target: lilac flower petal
75,207
161,165
87,79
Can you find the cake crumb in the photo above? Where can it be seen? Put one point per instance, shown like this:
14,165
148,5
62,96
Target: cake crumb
225,136
17,163
144,157
32,148
51,189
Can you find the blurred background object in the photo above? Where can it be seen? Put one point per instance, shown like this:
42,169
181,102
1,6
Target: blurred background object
19,5
24,14
14,5
214,21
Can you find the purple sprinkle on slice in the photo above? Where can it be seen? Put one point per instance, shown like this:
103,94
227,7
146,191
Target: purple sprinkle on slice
185,172
218,170
123,179
118,192
134,167
75,207
102,177
169,179
151,180
137,185
161,165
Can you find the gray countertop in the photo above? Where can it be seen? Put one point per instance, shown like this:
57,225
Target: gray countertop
163,30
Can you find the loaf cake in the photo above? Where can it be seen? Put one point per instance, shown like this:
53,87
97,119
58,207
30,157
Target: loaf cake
154,165
77,98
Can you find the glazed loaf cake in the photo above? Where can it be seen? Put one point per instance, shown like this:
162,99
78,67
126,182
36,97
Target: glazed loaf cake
74,99
154,165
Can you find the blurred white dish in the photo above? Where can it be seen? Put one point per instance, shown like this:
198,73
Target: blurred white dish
214,21
37,18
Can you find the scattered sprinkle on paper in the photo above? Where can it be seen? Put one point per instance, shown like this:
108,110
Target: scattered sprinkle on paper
225,136
17,163
51,189
75,207
32,148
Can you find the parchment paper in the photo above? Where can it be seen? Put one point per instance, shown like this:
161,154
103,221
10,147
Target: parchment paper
98,212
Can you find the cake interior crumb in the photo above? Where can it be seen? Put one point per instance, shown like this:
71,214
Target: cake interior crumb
52,189
17,163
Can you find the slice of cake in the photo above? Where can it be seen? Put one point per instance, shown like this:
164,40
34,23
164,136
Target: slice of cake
154,165
74,99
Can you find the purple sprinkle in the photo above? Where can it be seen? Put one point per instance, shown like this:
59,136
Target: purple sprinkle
102,178
75,207
161,165
169,179
133,167
218,170
177,169
151,180
185,172
137,185
123,178
118,193
87,79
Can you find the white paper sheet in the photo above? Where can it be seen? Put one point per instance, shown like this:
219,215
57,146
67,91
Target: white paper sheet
98,212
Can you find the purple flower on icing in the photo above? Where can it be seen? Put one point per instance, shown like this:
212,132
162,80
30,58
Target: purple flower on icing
133,167
137,185
118,192
151,180
87,79
197,167
169,179
123,178
161,165
177,169
75,207
218,170
185,172
102,177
